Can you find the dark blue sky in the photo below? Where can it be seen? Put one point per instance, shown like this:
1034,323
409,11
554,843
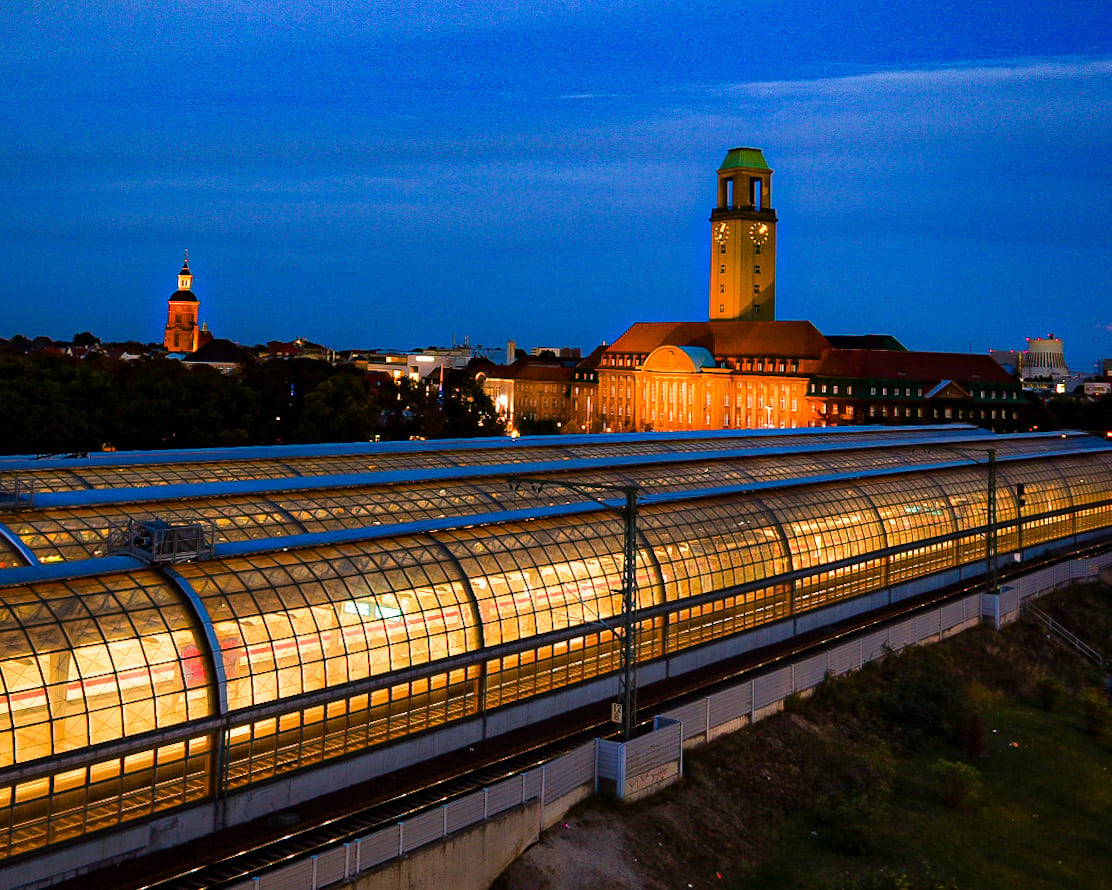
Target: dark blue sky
404,173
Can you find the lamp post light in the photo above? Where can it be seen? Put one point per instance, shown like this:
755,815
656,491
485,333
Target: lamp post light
627,683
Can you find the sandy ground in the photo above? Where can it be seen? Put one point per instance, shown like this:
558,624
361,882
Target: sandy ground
586,851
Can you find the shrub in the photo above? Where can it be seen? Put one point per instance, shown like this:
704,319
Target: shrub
960,784
921,698
858,823
1094,708
974,737
1049,692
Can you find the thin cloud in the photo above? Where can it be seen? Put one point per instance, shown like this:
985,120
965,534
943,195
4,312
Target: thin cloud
912,79
582,97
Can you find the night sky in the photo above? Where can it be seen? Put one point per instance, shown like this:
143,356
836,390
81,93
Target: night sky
401,174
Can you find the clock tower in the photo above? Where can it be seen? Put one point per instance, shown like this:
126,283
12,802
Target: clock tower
743,240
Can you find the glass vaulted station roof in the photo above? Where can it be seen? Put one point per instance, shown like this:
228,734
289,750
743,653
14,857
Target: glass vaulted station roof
51,473
60,525
113,649
343,611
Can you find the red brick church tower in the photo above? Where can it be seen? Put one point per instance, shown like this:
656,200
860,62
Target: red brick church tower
181,318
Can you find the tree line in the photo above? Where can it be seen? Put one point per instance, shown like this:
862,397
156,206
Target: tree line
53,404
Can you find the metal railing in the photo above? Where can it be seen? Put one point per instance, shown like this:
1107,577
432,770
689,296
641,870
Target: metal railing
158,542
1064,634
18,495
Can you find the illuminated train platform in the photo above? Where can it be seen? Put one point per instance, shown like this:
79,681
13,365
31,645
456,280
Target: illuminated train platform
365,607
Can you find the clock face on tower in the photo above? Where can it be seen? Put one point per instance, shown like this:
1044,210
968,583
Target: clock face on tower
758,232
721,232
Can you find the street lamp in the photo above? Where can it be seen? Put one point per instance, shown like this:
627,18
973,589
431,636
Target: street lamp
627,690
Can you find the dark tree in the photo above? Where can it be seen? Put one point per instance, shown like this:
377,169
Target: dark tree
338,410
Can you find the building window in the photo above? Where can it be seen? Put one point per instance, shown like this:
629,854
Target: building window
756,288
756,270
722,247
722,269
722,288
721,307
757,249
835,389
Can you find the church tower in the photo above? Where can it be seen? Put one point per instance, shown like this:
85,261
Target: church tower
743,240
181,317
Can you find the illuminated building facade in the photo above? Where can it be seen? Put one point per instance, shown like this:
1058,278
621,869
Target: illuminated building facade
181,317
743,240
709,375
560,394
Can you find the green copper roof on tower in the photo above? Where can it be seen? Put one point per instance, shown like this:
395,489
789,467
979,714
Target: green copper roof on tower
752,158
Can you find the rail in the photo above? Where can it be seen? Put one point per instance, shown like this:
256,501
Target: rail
1064,634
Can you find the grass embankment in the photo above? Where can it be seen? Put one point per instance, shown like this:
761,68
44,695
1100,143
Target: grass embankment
981,762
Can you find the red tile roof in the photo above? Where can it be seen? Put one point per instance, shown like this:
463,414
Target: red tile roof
922,366
789,339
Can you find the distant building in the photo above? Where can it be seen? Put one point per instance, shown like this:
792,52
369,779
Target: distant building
561,352
1044,359
182,332
709,375
531,390
891,387
417,365
223,355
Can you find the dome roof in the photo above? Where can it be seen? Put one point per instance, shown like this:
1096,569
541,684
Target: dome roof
183,296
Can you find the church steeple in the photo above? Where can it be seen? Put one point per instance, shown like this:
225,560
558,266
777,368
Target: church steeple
185,277
181,315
